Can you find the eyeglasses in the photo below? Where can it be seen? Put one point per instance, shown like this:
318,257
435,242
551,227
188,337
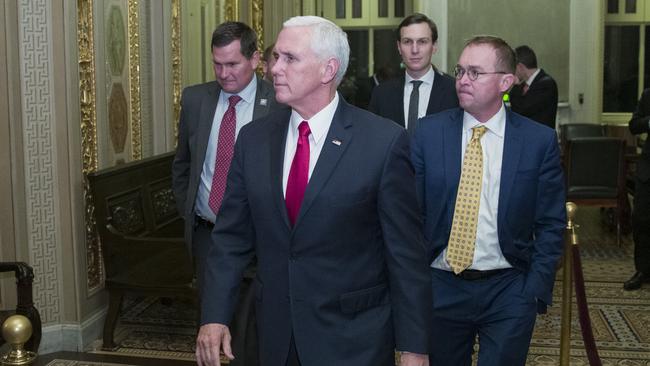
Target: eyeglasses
472,74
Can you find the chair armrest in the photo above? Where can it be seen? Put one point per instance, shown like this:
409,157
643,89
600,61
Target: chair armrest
25,303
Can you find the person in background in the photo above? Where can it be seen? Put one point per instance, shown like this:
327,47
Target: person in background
422,89
211,116
535,96
366,86
267,63
640,123
491,188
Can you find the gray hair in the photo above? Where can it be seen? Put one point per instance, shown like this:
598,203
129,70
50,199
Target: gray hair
327,40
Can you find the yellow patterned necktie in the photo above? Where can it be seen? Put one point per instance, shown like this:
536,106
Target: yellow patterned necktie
460,250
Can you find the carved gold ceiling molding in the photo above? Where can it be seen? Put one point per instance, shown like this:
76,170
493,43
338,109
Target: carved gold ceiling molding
85,37
176,64
134,80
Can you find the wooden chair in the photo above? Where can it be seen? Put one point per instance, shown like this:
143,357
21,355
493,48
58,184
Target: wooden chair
595,174
25,304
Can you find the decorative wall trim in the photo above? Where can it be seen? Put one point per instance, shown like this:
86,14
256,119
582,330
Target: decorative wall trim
85,38
257,13
176,65
134,79
39,149
231,10
73,337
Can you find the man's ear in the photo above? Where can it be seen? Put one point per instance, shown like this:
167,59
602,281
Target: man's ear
255,59
331,67
507,81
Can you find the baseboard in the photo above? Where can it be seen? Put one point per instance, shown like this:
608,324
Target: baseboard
72,337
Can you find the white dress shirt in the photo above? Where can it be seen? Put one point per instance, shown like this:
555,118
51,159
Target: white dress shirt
319,125
487,252
425,93
532,77
244,114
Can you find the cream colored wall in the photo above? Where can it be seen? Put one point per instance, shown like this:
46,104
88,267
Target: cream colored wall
586,60
545,28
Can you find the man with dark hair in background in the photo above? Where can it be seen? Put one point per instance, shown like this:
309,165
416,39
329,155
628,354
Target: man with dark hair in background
536,94
267,63
422,89
211,116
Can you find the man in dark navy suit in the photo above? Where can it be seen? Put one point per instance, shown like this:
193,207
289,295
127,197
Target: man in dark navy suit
640,123
422,89
324,195
492,192
536,95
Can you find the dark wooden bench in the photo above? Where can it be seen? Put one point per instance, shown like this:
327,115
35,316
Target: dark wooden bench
143,248
141,235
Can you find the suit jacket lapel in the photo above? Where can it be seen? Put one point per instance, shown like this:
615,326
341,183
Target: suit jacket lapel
512,149
400,101
208,107
329,156
452,150
263,99
278,139
436,92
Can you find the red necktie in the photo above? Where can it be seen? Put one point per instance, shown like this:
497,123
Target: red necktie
225,150
299,173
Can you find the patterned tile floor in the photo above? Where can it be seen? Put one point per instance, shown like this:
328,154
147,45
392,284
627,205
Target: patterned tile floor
620,319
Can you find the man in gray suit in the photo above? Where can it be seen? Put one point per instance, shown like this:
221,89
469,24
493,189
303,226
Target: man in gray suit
211,116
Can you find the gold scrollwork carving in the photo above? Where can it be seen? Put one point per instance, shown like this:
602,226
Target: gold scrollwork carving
85,34
231,10
176,64
257,12
134,80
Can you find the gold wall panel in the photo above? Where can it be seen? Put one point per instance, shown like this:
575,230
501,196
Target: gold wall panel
176,64
134,80
85,34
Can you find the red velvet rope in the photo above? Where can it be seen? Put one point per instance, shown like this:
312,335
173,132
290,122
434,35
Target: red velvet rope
583,310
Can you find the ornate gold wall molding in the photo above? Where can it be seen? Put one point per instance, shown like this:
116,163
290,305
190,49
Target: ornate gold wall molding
176,64
134,79
85,36
257,23
231,10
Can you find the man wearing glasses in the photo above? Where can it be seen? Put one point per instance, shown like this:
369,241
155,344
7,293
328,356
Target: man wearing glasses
491,189
421,89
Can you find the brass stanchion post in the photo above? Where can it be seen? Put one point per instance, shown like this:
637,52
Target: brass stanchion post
570,238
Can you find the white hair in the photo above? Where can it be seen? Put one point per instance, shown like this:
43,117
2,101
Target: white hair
327,40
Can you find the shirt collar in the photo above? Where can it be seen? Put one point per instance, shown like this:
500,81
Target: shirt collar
426,78
320,122
247,94
496,124
532,77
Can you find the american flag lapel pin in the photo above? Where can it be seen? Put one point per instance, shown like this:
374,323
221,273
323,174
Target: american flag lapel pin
336,142
263,102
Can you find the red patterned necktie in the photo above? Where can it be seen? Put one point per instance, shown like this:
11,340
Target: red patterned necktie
299,173
225,150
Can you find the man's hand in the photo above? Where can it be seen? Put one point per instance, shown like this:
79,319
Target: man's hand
413,359
212,339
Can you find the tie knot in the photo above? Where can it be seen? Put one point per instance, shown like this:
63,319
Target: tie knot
303,129
477,132
416,84
233,100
